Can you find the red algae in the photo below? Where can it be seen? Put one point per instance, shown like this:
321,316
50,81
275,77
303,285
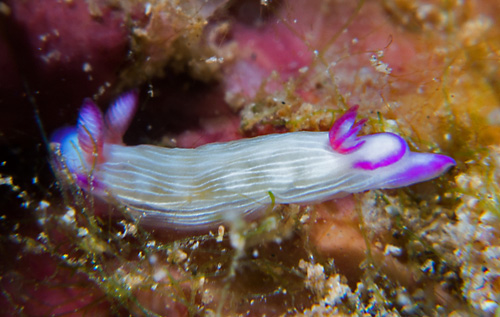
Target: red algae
63,53
425,70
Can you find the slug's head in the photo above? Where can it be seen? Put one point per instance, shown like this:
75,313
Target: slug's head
384,156
80,148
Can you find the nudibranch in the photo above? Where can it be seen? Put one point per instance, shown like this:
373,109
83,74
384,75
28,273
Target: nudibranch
213,183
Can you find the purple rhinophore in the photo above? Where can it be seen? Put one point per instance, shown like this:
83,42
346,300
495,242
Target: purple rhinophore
343,134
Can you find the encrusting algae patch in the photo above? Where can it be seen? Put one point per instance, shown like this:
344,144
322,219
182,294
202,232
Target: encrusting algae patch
425,70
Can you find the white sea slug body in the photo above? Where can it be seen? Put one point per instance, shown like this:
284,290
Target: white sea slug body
208,185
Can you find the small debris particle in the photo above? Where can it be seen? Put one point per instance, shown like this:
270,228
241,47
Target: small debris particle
303,70
147,9
315,276
42,205
220,234
159,275
177,256
6,181
69,216
380,66
195,245
82,232
255,253
86,67
428,267
392,250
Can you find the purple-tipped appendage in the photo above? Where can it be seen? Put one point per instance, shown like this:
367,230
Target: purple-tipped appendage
343,134
119,116
90,129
